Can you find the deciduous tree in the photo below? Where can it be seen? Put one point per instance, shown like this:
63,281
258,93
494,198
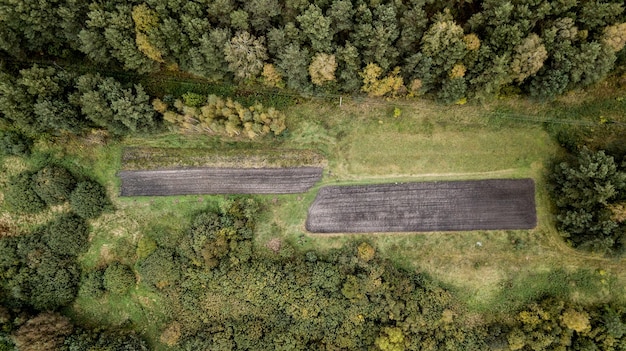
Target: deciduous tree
46,331
245,55
54,184
89,199
322,69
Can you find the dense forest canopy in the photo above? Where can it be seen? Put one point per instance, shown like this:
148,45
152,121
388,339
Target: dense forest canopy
448,48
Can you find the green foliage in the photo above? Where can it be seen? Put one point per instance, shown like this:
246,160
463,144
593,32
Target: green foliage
35,101
89,199
67,235
443,43
109,34
206,59
164,236
499,42
145,247
226,117
293,61
92,284
263,13
316,27
160,269
553,324
452,90
391,339
53,283
107,104
376,38
193,99
119,278
53,184
582,190
6,345
21,196
99,339
15,143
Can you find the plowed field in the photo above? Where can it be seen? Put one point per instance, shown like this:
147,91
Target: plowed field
425,206
188,181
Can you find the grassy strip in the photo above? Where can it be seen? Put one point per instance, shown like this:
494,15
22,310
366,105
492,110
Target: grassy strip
150,158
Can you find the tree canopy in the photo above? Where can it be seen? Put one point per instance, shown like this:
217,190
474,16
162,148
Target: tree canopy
541,47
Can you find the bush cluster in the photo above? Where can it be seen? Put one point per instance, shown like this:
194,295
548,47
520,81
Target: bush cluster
222,117
31,192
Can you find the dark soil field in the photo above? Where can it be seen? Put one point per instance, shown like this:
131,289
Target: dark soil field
188,181
423,207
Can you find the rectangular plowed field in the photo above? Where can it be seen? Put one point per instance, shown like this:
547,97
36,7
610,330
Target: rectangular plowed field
424,207
188,181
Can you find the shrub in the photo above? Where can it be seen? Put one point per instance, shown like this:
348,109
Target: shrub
145,247
54,284
165,237
53,184
226,117
193,99
20,195
452,90
14,143
67,235
89,199
92,284
365,252
118,278
160,269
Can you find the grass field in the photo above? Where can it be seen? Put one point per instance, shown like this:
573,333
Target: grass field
492,272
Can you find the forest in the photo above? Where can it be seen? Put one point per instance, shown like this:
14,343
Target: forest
82,268
447,49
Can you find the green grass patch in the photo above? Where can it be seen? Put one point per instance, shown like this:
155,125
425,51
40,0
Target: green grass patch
143,158
141,310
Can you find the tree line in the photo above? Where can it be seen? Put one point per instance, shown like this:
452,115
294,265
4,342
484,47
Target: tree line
36,101
448,49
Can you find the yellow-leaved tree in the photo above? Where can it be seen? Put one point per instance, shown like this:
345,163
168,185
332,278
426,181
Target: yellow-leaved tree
271,76
529,57
390,339
614,37
373,85
322,69
145,20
